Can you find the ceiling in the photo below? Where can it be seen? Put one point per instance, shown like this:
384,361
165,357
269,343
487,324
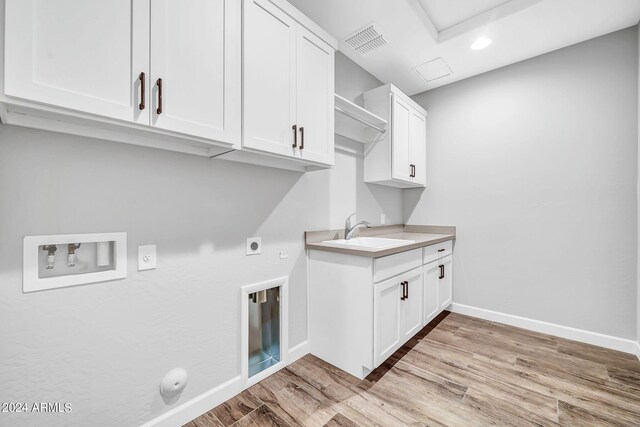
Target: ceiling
434,36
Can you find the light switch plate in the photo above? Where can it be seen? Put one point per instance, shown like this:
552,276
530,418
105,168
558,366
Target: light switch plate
254,246
147,259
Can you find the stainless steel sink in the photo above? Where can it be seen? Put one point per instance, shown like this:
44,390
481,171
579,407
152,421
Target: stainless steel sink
369,242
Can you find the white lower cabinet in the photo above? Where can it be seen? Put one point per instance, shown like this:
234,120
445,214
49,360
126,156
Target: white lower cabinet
397,313
431,306
362,310
445,283
438,286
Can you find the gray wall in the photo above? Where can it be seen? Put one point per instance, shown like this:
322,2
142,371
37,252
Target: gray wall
105,347
536,164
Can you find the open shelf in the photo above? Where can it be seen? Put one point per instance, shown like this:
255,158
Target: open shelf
356,123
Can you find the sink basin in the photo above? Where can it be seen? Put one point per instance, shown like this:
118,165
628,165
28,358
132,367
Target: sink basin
369,242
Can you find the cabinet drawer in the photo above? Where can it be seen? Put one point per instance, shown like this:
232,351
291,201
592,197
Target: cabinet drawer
392,265
434,252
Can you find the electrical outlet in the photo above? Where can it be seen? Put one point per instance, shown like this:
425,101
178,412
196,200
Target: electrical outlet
254,246
284,254
383,219
147,259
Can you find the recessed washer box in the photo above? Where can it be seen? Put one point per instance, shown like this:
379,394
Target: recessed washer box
62,260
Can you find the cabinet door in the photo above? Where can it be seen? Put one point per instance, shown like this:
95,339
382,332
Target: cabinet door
315,98
83,55
431,303
419,147
412,304
445,282
269,52
400,137
387,333
196,51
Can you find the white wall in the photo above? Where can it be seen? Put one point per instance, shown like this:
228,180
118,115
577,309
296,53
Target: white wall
105,347
536,164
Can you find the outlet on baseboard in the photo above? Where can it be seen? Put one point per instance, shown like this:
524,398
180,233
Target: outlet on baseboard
383,219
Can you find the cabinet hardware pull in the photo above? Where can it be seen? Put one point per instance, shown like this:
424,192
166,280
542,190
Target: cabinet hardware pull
295,136
301,137
414,170
441,272
159,84
441,250
406,295
141,77
402,293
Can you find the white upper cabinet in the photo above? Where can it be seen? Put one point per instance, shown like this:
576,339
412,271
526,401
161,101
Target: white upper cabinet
315,101
82,55
269,79
288,85
170,73
196,67
418,148
398,159
401,132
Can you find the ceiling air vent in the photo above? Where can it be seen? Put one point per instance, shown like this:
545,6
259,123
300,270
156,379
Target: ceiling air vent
366,40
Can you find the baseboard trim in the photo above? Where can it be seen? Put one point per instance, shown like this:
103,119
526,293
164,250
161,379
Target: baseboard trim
197,406
594,338
299,351
638,350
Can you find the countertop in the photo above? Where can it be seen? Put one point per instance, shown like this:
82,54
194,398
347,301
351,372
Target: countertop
422,235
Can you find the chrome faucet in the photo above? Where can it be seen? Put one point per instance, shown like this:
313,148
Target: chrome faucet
349,229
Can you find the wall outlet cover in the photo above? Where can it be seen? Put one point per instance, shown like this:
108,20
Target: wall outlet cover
254,246
147,259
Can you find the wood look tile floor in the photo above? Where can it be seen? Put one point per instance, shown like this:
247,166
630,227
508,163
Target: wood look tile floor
458,371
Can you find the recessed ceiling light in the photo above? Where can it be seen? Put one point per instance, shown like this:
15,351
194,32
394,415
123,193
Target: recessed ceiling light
481,43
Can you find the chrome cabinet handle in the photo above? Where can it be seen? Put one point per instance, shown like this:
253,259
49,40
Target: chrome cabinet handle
159,84
301,138
142,79
295,136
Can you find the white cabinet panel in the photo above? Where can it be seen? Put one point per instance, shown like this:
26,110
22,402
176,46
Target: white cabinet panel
431,306
392,265
435,252
315,98
387,318
398,158
445,283
269,78
195,51
401,132
84,55
412,304
419,147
